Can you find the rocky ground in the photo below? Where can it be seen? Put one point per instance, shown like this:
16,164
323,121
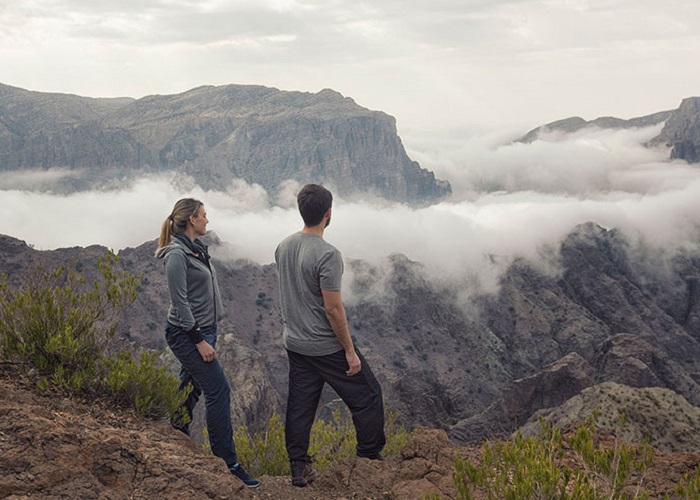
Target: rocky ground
52,446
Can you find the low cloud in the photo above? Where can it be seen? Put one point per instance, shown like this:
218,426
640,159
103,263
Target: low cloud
511,200
36,180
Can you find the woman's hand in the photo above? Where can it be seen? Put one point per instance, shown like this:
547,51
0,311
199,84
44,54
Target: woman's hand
206,351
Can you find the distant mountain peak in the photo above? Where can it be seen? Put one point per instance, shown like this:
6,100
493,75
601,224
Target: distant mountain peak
576,123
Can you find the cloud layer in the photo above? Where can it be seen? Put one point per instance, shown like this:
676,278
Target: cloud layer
510,200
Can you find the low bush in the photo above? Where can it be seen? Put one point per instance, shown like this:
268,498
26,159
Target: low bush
144,385
58,325
533,467
688,487
265,453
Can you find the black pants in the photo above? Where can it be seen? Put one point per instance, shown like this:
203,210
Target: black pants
361,393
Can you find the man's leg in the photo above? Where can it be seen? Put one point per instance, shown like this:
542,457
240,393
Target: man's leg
363,395
305,387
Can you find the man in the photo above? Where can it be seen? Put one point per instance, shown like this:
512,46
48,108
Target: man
317,339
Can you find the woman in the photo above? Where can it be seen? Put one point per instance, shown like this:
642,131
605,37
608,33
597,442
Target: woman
195,308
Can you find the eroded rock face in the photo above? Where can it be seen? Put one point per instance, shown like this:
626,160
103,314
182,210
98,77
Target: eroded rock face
548,388
682,131
213,135
629,360
664,417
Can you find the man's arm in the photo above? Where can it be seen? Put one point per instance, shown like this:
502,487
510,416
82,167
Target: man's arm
335,312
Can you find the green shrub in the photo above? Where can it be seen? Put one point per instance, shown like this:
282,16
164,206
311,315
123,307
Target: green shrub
611,469
397,436
516,469
531,468
265,453
144,385
59,324
688,487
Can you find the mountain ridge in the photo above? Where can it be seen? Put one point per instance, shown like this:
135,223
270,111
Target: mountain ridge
680,133
214,134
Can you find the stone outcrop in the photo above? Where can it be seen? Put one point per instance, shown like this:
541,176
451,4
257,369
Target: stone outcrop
214,135
664,417
682,131
548,388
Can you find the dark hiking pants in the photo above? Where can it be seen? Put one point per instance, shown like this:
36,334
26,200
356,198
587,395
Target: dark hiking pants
208,379
361,393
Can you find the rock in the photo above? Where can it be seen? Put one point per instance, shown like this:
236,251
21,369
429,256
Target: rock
86,450
627,359
682,131
51,447
667,419
548,388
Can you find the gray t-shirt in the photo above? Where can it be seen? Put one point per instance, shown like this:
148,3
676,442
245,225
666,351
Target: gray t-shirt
306,264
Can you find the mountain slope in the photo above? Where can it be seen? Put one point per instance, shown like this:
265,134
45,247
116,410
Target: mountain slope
214,135
611,313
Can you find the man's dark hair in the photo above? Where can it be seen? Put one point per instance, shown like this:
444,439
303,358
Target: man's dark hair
314,201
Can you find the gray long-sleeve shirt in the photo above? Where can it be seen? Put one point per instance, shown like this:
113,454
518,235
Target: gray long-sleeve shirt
193,288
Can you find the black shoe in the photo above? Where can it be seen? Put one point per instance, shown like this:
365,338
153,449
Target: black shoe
185,429
238,471
374,456
302,473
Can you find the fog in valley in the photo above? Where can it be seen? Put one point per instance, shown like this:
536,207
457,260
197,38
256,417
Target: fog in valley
510,199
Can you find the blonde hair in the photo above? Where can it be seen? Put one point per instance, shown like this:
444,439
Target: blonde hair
176,222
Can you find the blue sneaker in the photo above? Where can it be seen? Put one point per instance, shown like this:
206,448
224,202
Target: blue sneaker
238,471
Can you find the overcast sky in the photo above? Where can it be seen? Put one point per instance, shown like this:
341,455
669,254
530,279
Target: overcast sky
433,64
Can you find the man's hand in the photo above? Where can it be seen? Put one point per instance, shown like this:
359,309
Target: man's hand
353,362
206,351
335,312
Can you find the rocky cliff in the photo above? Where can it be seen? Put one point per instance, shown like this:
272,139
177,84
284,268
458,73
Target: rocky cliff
213,135
480,368
682,131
